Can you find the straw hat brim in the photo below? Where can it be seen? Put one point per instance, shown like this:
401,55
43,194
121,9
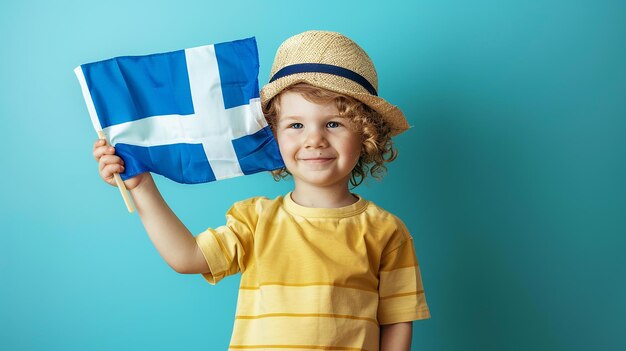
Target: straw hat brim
392,115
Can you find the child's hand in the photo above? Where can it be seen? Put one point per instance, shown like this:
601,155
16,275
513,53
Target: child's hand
109,163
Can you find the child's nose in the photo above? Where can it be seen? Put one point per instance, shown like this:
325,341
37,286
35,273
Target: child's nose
315,138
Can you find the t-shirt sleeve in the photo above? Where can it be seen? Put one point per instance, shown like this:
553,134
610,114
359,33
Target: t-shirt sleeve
400,290
227,249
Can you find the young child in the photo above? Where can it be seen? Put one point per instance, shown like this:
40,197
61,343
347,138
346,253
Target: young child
322,268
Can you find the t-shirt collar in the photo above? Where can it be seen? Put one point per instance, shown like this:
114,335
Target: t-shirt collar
316,212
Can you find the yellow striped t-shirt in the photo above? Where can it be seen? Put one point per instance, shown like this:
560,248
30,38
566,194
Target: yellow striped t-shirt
315,278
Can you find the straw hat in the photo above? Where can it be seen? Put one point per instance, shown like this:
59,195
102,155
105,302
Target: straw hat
331,61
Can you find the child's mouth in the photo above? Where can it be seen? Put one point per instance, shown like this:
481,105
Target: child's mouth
317,159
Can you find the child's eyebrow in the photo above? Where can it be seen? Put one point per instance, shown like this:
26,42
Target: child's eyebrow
288,117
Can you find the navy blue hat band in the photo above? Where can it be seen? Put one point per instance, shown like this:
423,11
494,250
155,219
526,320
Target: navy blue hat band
324,68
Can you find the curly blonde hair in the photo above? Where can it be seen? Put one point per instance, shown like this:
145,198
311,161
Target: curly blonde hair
376,145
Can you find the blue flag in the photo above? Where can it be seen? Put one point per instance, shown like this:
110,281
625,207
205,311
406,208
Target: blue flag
191,115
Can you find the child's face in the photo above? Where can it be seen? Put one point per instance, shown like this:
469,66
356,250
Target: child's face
319,148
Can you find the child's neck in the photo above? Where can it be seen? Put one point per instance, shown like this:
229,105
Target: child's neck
326,197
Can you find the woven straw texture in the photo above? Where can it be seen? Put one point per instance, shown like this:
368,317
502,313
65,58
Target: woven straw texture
333,49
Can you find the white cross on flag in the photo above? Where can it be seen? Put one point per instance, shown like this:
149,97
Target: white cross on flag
192,115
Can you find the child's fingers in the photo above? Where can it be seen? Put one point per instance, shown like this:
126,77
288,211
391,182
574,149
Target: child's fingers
98,143
107,171
103,150
106,160
98,146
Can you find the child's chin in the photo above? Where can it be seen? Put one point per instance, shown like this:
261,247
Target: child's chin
320,179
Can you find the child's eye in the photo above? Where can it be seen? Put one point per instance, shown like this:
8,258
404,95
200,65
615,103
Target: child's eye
333,124
296,125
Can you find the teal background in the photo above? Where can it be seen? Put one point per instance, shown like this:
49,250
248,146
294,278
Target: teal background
511,181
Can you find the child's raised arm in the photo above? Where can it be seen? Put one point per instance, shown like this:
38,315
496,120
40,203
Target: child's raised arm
169,235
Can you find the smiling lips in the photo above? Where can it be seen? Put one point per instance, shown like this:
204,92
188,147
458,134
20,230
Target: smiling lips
318,159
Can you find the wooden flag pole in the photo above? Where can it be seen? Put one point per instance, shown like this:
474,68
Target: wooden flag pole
119,182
